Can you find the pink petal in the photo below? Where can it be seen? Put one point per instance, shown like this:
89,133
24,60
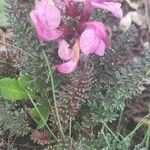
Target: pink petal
79,0
64,51
46,18
113,7
100,31
71,65
50,20
48,35
43,32
52,17
67,67
48,14
101,50
88,41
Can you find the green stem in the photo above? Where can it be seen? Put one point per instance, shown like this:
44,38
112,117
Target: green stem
148,138
126,143
136,128
50,75
88,147
133,132
144,139
102,131
119,124
110,131
41,116
70,128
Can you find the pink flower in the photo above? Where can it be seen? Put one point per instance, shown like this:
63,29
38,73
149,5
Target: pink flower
46,18
93,39
113,7
73,56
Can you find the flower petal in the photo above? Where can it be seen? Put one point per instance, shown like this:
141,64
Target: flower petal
48,14
46,18
67,67
48,35
113,7
100,31
52,17
88,41
71,65
64,51
101,50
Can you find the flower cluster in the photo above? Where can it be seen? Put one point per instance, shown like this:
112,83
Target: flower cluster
69,23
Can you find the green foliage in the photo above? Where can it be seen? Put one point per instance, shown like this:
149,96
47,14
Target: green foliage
2,3
114,83
140,147
13,89
10,89
99,15
3,19
44,110
104,142
24,81
13,120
